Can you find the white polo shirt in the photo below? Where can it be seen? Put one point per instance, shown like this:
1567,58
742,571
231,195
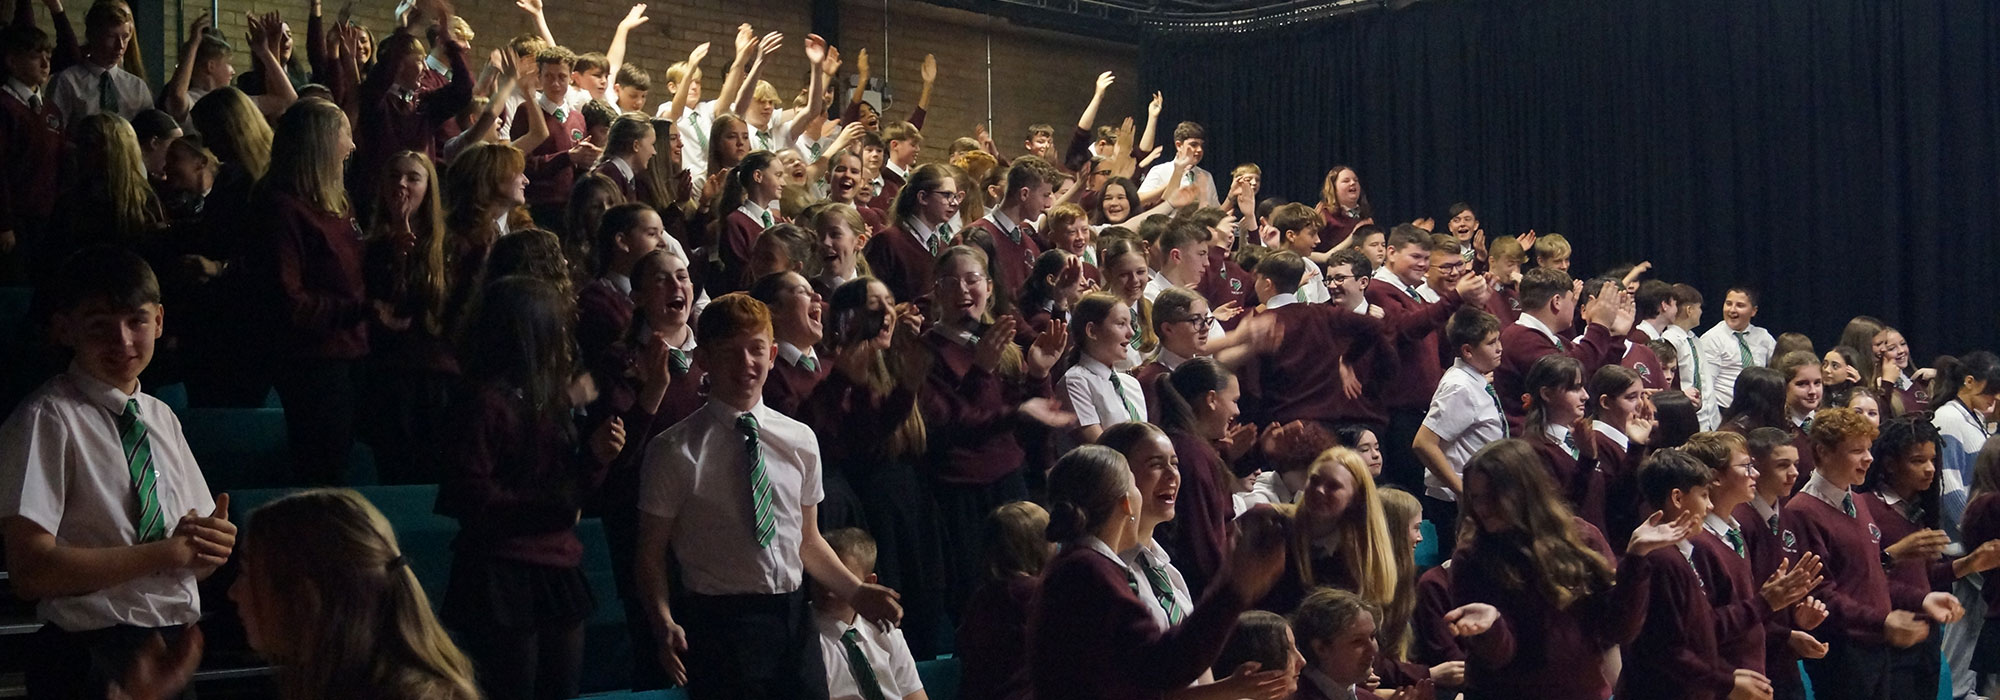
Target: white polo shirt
888,654
1095,401
697,474
1465,417
62,467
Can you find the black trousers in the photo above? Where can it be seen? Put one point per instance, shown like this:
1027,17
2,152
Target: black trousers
1851,671
752,646
67,665
521,624
319,398
1913,672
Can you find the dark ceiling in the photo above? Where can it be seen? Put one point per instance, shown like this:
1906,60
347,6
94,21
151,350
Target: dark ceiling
1130,20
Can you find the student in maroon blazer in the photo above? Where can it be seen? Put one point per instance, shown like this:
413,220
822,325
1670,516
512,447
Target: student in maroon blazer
993,636
1030,193
746,207
1982,524
795,322
1198,410
629,148
1336,632
1868,613
553,165
1548,300
1776,462
901,142
1552,632
1562,435
1431,632
306,273
980,390
1675,654
1414,323
1622,423
1090,635
625,234
1629,348
31,138
902,255
394,116
843,185
1745,612
1297,380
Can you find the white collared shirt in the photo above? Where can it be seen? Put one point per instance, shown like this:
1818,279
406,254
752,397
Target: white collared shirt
1612,431
1270,488
63,468
1693,371
695,123
1767,511
1169,359
624,168
619,282
697,475
1647,328
1281,300
1156,177
1008,226
74,92
1722,360
1530,321
924,232
1465,418
1826,492
575,98
791,354
888,654
756,212
899,170
1156,284
439,67
1383,275
1312,289
1559,434
21,91
1095,400
1428,294
1156,555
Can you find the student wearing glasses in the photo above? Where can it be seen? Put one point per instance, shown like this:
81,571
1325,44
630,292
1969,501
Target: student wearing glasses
903,255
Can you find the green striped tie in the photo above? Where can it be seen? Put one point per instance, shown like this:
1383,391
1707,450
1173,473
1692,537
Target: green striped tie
150,524
857,663
107,93
766,217
1163,588
682,363
1743,346
1495,395
1735,538
760,482
1131,411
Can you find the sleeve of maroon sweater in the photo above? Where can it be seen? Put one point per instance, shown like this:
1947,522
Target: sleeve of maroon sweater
917,118
1596,349
1098,599
305,308
316,48
1667,644
1420,320
1435,644
1077,156
1734,618
67,52
443,104
1203,530
483,435
1615,616
10,132
1846,614
1495,649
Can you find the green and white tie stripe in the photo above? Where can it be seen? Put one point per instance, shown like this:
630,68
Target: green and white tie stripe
150,523
761,493
1163,588
857,664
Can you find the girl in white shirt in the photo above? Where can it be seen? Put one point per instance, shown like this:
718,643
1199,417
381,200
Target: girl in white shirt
1100,395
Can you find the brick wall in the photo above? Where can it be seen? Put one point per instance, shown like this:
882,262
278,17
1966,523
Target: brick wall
1035,75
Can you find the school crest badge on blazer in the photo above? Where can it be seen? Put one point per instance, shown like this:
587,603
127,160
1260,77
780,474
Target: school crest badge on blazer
1791,542
1875,533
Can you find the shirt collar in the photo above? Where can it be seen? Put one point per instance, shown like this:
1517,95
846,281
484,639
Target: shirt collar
1093,366
727,414
1091,543
924,232
1281,300
1612,431
547,106
440,67
623,167
1719,524
1170,360
619,282
1764,510
1461,365
1686,548
1888,496
1006,223
500,223
104,395
21,89
1382,273
791,353
1647,328
1558,432
1530,321
1328,687
754,210
1825,491
900,171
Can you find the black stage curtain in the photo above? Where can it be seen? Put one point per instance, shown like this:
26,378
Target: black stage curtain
1837,154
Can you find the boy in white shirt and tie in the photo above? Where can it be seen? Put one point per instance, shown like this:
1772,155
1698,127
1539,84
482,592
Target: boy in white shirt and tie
1731,346
863,661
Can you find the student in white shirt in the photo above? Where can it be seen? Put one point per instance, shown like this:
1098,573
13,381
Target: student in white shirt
1464,416
1336,635
747,631
1730,346
1298,229
1183,252
1189,140
1101,396
110,558
1125,275
97,83
1691,370
854,652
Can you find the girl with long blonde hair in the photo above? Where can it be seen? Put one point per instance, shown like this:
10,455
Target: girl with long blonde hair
1339,536
116,203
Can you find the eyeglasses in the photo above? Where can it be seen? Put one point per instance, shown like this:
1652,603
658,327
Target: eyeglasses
1201,320
1451,267
1332,280
966,282
1748,468
950,197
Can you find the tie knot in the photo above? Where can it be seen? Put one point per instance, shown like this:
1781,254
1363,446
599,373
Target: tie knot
850,635
747,424
131,408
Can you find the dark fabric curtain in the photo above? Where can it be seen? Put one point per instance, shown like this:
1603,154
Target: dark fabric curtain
1836,154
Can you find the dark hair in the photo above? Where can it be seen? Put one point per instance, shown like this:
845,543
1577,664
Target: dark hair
1131,195
1457,208
517,338
1897,437
1686,295
1954,372
1676,418
1542,284
1469,325
1326,613
1093,309
1285,269
24,38
534,252
631,76
1551,371
1188,130
1126,436
1085,488
1788,343
1669,470
1664,349
1177,391
615,222
1760,441
1349,434
1405,235
1610,381
1036,292
114,275
923,178
1181,234
1358,263
1759,401
1258,637
1267,205
1653,294
153,125
1747,291
596,113
1029,172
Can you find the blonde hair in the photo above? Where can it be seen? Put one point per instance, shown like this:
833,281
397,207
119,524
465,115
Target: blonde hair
305,161
230,124
1398,509
354,620
134,208
1362,537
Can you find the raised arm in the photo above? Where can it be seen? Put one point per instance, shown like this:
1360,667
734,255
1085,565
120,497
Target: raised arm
538,123
278,90
534,8
679,104
853,110
1152,126
929,74
615,56
815,91
746,91
174,97
746,44
1077,156
316,61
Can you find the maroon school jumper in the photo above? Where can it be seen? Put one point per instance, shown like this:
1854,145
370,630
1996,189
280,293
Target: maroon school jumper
892,184
550,172
1413,327
993,640
901,261
1200,537
1338,227
307,269
1224,283
1090,637
32,145
1538,650
603,315
788,384
1012,260
392,122
1624,507
1520,346
1767,551
1299,380
970,414
1980,524
1641,359
1933,575
1858,594
876,219
501,482
634,190
1433,641
1674,657
739,237
1147,374
1505,304
1741,616
1581,482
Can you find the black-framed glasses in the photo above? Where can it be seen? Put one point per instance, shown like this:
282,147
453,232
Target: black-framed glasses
1202,320
950,197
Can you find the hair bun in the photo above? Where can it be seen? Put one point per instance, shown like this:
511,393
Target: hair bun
1067,521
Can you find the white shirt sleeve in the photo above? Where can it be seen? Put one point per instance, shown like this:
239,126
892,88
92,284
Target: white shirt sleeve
1077,383
903,666
661,474
1450,414
34,483
1157,176
811,491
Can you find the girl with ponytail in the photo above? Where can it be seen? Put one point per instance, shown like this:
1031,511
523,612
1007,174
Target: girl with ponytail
1560,430
1090,633
747,205
1198,410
